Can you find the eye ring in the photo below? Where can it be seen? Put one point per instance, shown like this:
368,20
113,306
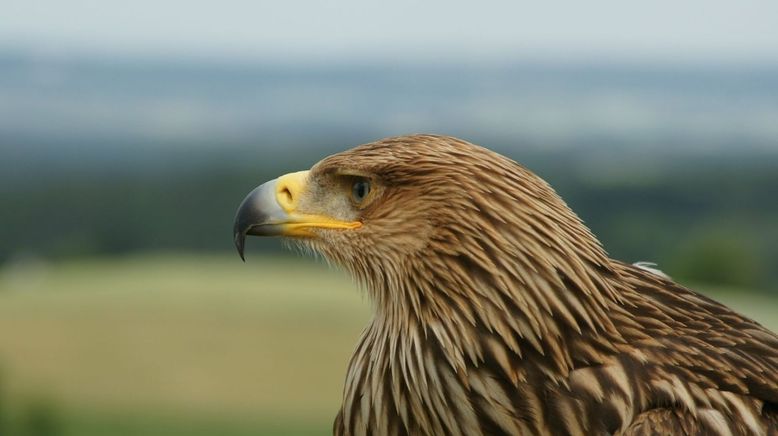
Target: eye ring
360,189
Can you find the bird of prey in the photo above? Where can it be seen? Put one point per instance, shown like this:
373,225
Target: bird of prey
497,312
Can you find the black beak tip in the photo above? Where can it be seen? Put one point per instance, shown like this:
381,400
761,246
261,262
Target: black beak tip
240,244
250,216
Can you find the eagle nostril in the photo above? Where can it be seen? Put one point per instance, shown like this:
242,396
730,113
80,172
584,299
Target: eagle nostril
289,189
285,197
287,194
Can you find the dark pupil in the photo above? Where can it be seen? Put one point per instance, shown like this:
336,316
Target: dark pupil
360,190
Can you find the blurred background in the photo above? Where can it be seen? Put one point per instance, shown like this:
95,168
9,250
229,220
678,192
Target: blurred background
130,132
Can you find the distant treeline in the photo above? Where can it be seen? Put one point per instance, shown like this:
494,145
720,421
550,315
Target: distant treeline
703,216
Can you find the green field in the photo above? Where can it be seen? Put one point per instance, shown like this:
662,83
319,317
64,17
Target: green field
167,345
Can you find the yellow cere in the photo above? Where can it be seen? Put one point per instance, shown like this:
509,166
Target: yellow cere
289,189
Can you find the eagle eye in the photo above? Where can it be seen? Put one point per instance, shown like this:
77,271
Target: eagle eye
360,190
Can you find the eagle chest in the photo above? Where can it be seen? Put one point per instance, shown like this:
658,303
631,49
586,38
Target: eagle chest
397,389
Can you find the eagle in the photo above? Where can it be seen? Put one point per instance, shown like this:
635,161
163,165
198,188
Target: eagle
497,312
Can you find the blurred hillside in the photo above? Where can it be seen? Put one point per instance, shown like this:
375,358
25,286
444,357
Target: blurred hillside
676,165
189,345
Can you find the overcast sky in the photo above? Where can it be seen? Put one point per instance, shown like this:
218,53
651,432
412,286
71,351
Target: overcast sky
708,30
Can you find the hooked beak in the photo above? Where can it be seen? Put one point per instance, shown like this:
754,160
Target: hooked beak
272,209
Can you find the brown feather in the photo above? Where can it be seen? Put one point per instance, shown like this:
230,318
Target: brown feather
498,312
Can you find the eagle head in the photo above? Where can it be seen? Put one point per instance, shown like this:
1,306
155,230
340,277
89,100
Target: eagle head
413,206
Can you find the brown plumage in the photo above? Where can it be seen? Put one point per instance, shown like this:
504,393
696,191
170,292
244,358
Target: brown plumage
496,311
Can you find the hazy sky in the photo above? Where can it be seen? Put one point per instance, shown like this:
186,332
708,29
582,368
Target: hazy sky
713,30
